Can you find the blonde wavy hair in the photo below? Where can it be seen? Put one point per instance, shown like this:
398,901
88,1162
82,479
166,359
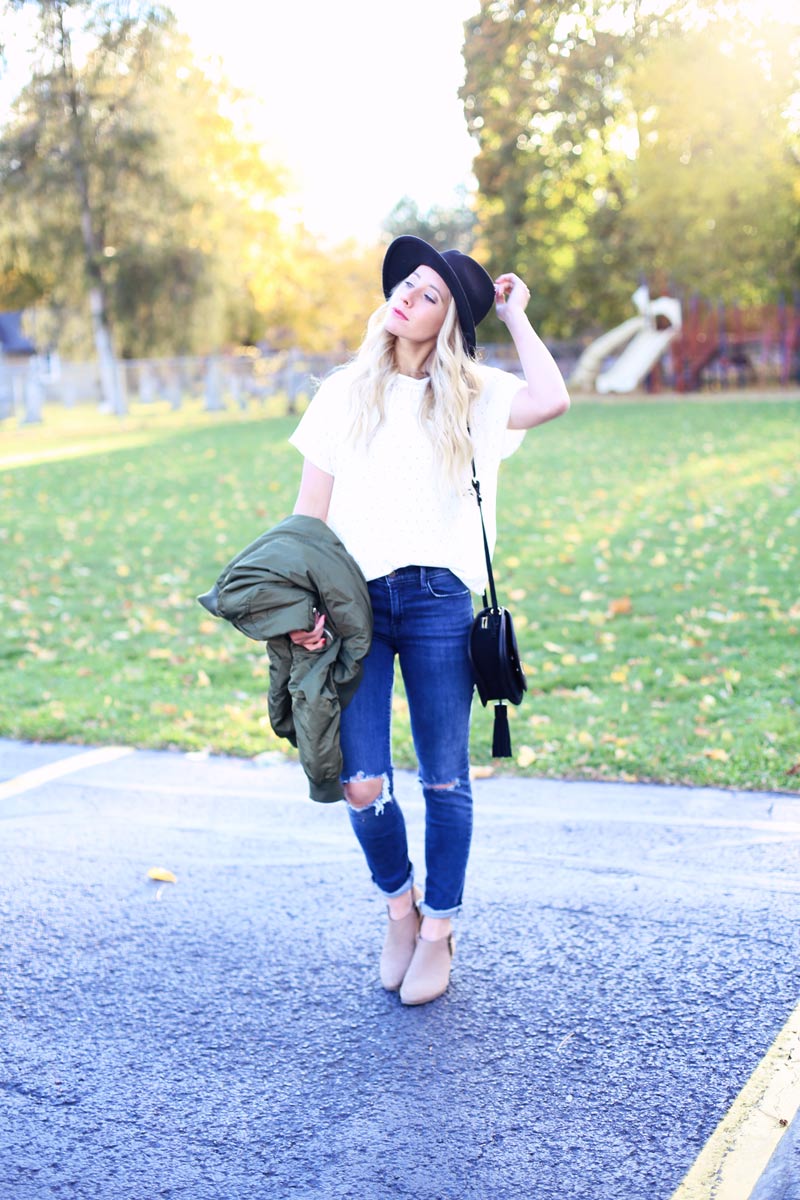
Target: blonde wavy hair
453,386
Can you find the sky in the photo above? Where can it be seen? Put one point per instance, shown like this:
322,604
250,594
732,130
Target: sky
358,98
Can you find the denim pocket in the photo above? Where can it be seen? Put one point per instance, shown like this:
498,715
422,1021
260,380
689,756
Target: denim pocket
441,582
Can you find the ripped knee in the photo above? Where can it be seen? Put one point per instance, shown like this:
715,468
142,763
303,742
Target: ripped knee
449,786
361,793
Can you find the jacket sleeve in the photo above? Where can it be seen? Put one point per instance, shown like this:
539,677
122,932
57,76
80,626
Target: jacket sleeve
279,701
316,709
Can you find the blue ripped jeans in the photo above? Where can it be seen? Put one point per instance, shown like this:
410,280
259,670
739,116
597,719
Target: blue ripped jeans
422,615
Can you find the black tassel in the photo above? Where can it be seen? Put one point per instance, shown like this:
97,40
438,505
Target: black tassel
501,741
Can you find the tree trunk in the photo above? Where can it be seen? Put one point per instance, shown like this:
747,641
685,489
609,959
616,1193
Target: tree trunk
112,396
110,391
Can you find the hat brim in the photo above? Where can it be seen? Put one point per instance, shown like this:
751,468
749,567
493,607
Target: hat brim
404,255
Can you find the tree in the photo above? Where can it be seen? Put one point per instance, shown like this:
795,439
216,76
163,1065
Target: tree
184,275
128,180
717,181
76,140
318,301
445,228
163,209
543,100
585,115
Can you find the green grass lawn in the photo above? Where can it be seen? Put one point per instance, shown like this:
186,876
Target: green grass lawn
648,551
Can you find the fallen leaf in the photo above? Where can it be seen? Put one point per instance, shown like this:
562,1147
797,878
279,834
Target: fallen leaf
618,607
161,875
526,756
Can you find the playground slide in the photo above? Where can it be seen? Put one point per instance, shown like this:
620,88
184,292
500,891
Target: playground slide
584,376
636,360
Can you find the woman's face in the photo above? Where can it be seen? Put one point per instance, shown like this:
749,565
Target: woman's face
418,306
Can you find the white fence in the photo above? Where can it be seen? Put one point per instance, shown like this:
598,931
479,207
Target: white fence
218,381
28,386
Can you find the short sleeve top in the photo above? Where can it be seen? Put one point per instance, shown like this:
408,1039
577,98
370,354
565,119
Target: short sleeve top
390,505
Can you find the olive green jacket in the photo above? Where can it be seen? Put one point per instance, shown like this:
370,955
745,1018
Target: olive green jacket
277,584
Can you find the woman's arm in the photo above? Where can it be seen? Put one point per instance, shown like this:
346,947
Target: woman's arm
313,500
545,394
314,497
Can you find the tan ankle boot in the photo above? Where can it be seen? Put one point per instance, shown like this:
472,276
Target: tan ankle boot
429,971
398,948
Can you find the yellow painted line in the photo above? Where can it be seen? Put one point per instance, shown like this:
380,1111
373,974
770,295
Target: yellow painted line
736,1155
64,766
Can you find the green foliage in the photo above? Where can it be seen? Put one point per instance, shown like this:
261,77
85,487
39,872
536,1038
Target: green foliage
131,179
648,551
445,228
76,141
124,173
541,96
717,187
621,139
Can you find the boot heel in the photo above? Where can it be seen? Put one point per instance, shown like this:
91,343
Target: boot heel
399,946
429,973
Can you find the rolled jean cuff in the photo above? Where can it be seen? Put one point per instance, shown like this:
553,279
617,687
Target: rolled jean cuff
440,913
406,887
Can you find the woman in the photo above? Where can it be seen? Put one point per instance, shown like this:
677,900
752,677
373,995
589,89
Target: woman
388,442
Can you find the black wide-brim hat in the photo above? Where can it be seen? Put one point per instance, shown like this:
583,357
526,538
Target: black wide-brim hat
472,288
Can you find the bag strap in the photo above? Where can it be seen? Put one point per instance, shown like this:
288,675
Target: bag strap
501,738
477,489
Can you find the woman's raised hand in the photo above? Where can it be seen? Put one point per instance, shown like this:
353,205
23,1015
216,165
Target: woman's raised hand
510,293
311,639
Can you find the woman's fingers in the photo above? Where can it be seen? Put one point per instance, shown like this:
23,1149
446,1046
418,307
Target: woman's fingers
310,639
511,296
510,286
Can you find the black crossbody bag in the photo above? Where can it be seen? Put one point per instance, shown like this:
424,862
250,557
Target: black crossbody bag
494,654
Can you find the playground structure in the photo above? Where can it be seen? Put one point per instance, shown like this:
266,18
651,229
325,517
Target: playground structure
694,347
640,343
720,346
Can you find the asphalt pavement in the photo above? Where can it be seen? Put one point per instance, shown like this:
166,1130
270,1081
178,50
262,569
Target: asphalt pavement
626,956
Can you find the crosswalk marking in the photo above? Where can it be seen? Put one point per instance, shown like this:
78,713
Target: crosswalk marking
63,766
